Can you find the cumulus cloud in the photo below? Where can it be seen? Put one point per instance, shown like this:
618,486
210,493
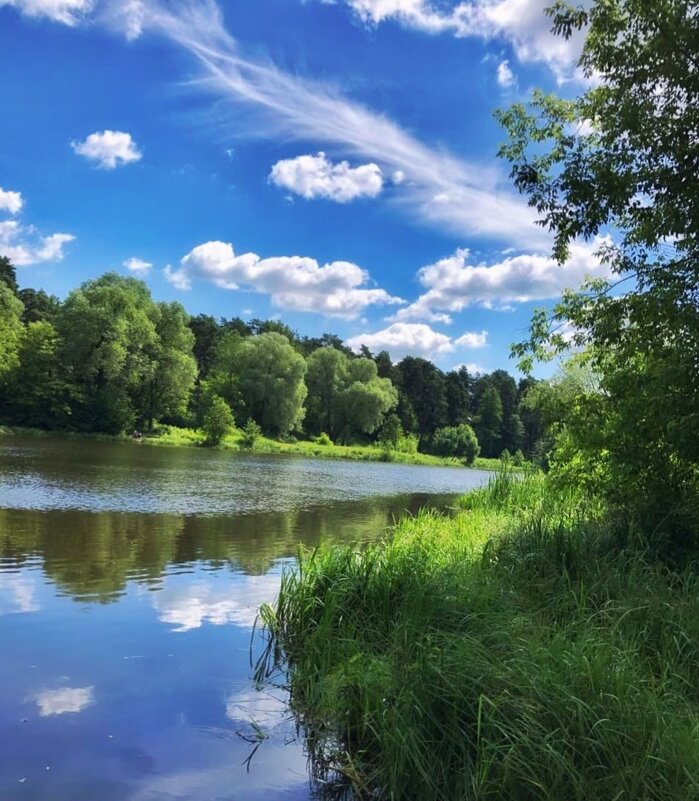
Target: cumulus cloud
415,339
64,700
10,202
521,23
505,75
17,594
23,245
108,149
453,283
318,177
136,265
338,289
187,607
69,12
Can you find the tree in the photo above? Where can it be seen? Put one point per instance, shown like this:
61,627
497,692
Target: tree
326,377
631,169
423,386
271,382
459,441
489,423
108,328
459,390
166,386
391,432
41,393
206,333
8,275
38,306
10,328
218,420
365,400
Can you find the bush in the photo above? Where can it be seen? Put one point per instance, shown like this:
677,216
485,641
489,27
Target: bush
391,432
457,441
323,439
218,420
251,431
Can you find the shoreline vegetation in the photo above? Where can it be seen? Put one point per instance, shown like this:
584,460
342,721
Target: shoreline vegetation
515,650
235,441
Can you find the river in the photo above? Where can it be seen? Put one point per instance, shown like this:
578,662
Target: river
130,577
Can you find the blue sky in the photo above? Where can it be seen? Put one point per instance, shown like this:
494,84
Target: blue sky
333,164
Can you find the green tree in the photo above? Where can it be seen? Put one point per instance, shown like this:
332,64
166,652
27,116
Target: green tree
326,378
630,169
41,395
459,441
365,400
108,327
489,423
168,380
10,329
391,432
272,382
8,275
423,386
218,420
459,391
38,306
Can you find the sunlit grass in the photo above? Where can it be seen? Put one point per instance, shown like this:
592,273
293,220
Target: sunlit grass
511,652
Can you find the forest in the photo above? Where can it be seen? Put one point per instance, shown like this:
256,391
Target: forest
110,359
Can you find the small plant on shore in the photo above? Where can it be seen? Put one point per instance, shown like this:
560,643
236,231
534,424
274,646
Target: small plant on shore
218,421
251,433
323,439
459,441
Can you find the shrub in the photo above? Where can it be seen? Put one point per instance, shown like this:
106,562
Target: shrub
457,441
218,420
323,439
251,431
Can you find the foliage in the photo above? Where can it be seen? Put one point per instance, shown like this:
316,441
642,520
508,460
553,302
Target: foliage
251,433
323,439
218,421
271,382
489,422
391,432
454,661
457,441
10,329
630,169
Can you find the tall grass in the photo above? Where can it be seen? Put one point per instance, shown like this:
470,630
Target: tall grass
512,652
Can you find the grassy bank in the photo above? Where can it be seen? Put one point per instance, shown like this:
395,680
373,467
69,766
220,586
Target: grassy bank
187,437
514,652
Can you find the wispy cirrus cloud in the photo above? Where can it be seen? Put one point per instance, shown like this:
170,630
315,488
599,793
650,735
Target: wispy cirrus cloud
69,12
438,188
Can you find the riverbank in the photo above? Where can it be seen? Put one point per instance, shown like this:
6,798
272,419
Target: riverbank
187,437
513,652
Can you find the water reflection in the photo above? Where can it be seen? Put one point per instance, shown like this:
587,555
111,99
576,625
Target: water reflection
129,581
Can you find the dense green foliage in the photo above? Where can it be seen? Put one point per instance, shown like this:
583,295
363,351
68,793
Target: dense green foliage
218,420
457,441
632,170
513,651
111,359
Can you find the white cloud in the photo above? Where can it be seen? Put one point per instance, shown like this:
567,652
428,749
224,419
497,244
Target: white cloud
318,177
63,700
521,23
337,289
23,245
472,339
17,594
136,265
108,149
472,367
415,339
479,200
69,12
10,202
258,706
189,606
398,177
453,284
505,75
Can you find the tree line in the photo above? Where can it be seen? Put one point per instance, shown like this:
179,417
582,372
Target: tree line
111,359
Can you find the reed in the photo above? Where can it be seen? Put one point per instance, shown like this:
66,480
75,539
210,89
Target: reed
510,652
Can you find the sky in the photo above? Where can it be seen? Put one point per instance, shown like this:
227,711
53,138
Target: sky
330,164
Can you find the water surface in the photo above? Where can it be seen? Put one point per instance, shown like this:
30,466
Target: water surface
130,577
